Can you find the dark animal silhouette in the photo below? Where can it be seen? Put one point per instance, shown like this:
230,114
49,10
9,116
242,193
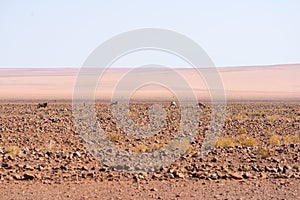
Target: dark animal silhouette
173,104
114,103
42,105
201,105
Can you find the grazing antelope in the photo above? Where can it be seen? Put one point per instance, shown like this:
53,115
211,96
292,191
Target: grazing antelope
114,103
201,105
42,105
173,104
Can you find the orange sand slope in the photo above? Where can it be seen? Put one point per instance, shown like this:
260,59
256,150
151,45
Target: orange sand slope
277,82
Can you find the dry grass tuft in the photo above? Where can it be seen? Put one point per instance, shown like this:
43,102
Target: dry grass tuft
185,145
274,118
241,140
190,150
244,140
50,146
250,142
141,148
239,117
182,145
291,139
156,146
263,153
113,137
242,130
225,142
286,140
13,151
275,140
269,133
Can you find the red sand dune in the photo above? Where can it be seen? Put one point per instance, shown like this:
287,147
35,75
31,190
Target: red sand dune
277,82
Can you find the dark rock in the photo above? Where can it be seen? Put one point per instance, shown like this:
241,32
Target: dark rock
270,169
77,154
28,176
18,177
153,189
247,175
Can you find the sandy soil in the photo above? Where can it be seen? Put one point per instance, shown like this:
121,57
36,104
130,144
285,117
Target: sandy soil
258,189
278,82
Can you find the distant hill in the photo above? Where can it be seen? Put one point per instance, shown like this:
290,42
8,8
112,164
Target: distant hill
276,82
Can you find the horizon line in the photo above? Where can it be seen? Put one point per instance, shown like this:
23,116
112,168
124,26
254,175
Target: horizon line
128,67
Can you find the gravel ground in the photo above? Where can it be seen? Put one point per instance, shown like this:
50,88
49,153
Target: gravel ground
256,156
180,189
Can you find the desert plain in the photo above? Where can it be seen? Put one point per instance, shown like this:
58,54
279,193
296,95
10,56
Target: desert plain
256,156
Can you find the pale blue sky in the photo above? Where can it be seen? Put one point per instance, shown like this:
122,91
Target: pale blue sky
233,33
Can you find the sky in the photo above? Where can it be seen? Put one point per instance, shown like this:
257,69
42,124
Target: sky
233,33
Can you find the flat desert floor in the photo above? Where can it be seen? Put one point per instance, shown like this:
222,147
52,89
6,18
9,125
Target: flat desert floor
256,156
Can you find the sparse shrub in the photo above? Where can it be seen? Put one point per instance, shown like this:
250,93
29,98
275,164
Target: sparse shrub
275,140
132,114
13,150
242,130
141,148
297,139
113,137
182,145
190,150
269,133
156,146
274,118
50,146
173,144
225,142
263,153
291,139
241,139
239,117
185,145
227,119
250,142
246,141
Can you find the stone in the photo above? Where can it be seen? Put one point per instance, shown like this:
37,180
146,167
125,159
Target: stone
213,176
247,175
28,167
180,175
77,154
270,169
153,189
18,177
236,175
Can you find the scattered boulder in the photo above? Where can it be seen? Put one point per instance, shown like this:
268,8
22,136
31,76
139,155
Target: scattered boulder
28,176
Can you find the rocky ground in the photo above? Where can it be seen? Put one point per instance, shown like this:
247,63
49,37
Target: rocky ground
258,152
172,189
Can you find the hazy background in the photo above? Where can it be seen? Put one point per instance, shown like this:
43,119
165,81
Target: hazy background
64,33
